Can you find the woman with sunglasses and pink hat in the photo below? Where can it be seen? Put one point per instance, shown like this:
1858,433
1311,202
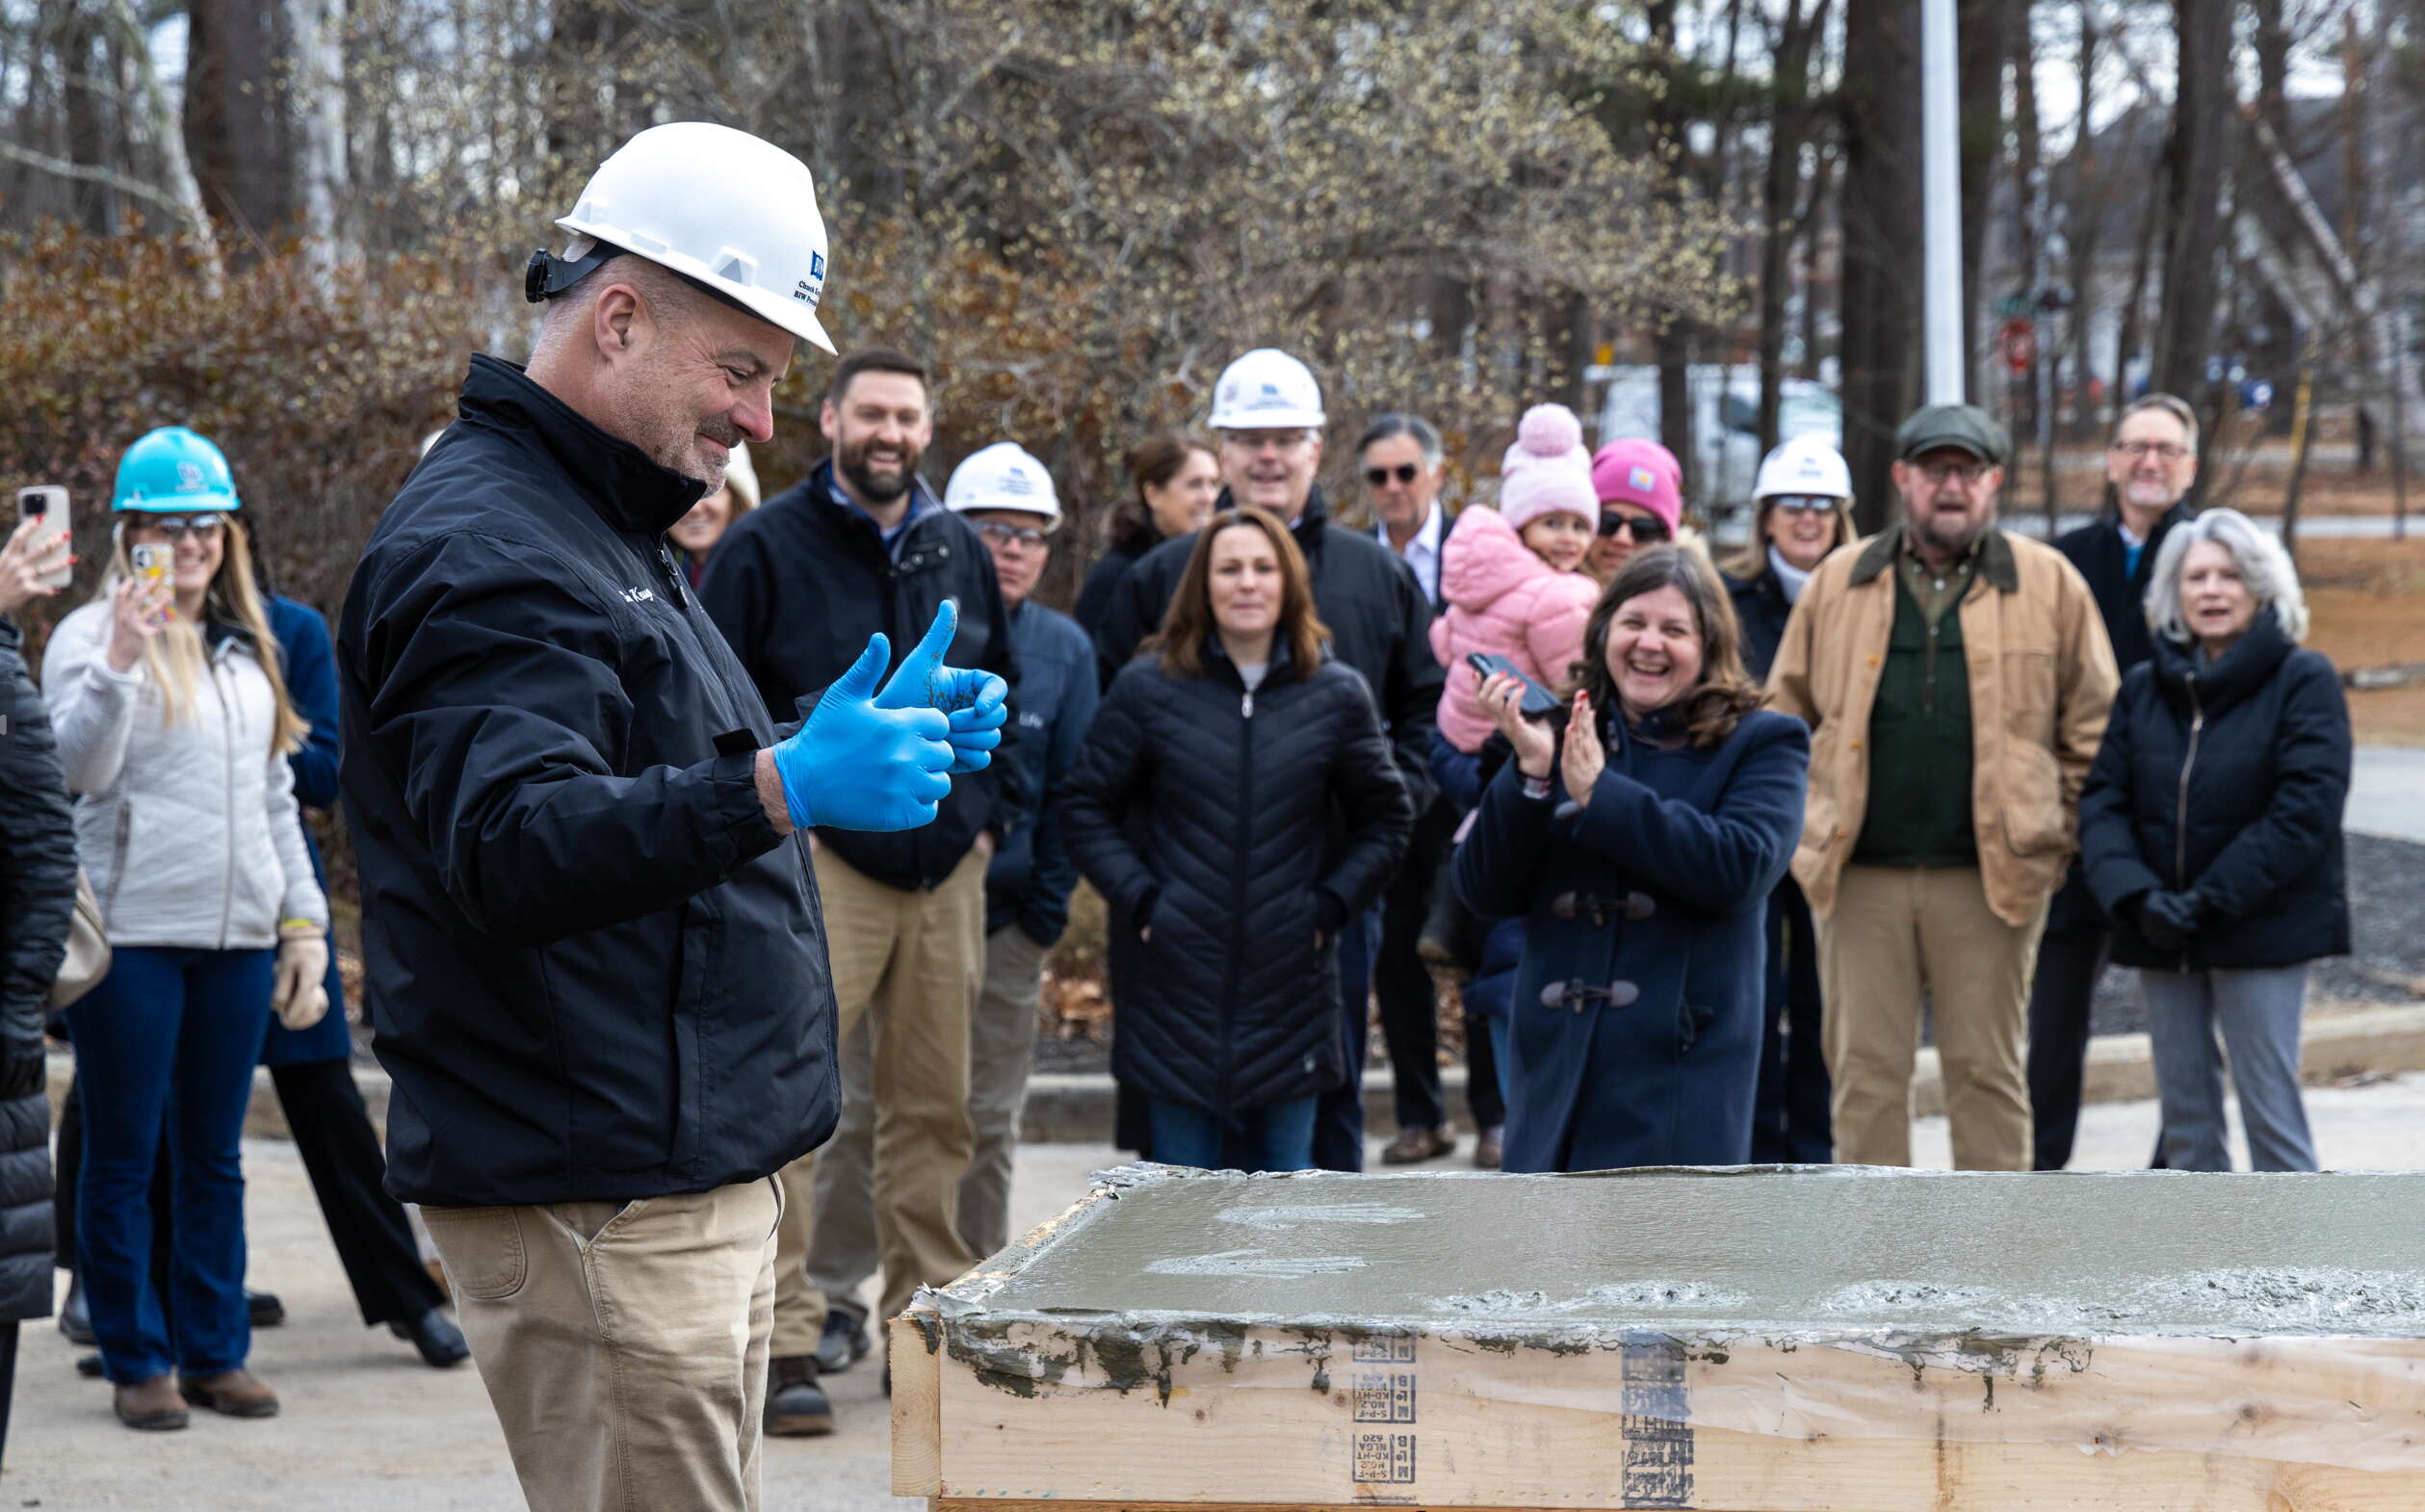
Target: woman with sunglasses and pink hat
1641,489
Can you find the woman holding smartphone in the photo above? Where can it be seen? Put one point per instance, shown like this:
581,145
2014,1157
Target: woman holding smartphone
175,728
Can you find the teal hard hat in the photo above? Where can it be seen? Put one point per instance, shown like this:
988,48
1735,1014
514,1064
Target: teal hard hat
174,471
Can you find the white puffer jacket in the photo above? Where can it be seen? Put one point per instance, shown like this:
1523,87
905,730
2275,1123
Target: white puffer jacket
189,831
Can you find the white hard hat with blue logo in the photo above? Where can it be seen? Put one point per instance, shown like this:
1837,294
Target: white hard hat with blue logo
1004,476
1266,390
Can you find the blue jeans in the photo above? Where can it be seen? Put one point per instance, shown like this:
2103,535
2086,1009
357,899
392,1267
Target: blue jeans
1277,1137
169,1039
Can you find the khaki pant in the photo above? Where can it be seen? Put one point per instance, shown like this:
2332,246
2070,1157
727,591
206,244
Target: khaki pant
1001,1050
625,1345
908,962
1894,932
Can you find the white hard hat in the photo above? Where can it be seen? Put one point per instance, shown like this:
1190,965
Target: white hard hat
1004,477
1266,390
734,215
1804,465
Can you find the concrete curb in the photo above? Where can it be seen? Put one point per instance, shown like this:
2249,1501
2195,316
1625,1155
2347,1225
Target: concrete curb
1077,1108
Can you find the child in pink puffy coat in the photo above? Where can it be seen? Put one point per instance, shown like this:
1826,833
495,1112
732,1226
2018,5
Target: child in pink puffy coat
1512,576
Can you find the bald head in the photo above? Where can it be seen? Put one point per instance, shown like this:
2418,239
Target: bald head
652,360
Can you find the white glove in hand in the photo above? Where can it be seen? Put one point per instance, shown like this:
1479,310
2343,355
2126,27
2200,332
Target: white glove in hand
299,996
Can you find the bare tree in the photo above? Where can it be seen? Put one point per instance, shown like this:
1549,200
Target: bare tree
2196,160
1881,214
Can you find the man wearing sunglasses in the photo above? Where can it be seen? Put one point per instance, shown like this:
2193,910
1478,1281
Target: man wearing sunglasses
1956,679
2149,465
1267,410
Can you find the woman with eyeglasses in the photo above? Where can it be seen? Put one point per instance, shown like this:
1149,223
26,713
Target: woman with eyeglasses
174,727
1641,488
2211,832
1803,496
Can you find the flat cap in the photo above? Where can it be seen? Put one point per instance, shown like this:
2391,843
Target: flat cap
1966,426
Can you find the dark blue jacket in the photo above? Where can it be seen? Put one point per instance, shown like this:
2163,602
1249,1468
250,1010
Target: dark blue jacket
1238,827
2225,780
1033,874
596,969
798,585
309,661
1680,848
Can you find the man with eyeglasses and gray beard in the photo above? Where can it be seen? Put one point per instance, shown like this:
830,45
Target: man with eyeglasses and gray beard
2149,465
1956,679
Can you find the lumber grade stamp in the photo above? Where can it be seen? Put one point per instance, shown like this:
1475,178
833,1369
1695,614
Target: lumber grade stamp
1815,1339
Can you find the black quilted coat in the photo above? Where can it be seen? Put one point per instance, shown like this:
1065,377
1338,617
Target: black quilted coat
1264,820
38,897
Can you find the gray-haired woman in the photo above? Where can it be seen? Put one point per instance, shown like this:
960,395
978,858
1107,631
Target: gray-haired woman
2210,830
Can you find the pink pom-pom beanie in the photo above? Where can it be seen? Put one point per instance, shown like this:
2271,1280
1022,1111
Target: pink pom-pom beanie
1547,471
1640,472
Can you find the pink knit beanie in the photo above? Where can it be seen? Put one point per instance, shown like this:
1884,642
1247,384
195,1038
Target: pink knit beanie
1640,472
1547,471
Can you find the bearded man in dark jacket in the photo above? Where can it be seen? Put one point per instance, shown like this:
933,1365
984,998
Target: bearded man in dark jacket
1268,409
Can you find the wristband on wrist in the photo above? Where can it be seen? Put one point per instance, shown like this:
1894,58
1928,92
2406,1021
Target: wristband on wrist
1534,786
291,925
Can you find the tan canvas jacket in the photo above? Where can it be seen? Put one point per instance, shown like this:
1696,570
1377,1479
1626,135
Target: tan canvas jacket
2042,682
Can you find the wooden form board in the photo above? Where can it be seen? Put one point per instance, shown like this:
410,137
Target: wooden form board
1827,1340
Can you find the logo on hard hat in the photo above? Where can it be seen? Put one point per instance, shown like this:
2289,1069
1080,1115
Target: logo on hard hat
1015,480
817,265
807,293
1640,477
190,478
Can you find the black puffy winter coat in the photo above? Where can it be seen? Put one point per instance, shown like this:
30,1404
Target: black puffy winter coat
1265,818
595,969
2225,780
37,897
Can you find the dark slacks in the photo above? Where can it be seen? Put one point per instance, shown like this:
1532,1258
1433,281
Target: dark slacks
1338,1120
1790,1118
1410,1010
2070,962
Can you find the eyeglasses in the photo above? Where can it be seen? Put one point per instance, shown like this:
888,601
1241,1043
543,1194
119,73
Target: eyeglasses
2162,451
1379,477
1645,529
1802,504
173,525
1253,441
1001,535
1967,473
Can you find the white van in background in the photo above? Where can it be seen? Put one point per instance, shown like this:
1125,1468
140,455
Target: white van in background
1725,429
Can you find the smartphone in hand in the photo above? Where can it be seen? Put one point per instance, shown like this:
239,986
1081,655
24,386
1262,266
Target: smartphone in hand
48,504
1539,703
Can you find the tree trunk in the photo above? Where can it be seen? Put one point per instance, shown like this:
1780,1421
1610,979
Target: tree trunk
1983,46
315,110
1673,342
1813,223
1780,196
234,81
1880,289
2197,158
2083,220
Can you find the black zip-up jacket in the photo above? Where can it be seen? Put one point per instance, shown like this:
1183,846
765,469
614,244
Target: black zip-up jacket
1380,622
1237,828
798,585
595,970
1762,610
37,899
2120,594
2225,780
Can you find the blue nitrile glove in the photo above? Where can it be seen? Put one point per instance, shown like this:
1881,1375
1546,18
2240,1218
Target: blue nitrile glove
856,764
976,702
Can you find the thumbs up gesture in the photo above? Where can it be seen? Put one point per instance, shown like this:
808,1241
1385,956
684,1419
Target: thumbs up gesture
976,702
858,765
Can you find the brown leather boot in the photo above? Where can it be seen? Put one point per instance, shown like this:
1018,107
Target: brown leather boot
234,1393
797,1406
153,1405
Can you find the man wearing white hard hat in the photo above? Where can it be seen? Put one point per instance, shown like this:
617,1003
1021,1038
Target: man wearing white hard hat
863,545
1267,410
1010,497
1802,498
595,957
